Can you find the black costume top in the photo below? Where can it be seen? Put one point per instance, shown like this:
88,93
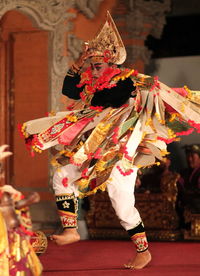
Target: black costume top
108,97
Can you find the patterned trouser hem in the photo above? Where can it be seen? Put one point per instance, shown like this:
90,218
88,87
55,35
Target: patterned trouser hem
67,205
138,236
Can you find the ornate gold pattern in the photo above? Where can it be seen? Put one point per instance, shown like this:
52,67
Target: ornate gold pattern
39,242
157,211
108,43
64,197
194,232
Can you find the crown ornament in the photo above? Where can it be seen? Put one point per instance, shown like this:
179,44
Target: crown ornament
107,46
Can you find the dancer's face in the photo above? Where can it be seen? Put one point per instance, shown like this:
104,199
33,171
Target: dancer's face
193,160
98,68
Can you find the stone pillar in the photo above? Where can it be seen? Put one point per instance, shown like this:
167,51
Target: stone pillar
136,19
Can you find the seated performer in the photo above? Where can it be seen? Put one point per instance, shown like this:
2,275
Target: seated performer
189,183
17,254
125,122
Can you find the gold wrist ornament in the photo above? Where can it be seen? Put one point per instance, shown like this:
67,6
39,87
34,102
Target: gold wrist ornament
73,70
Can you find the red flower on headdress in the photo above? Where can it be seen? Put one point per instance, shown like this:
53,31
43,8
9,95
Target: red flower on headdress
107,56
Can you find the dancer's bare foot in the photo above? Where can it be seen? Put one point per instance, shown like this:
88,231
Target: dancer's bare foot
140,260
69,235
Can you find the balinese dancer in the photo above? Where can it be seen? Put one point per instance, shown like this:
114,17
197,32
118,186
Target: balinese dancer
121,121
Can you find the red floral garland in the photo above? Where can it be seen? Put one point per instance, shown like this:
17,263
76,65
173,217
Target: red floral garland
102,82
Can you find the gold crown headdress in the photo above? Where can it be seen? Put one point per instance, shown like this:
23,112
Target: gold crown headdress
108,43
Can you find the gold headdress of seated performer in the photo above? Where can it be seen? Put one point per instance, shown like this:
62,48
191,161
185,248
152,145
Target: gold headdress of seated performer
108,46
194,148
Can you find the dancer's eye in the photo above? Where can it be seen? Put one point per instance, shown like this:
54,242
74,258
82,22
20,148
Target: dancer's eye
96,66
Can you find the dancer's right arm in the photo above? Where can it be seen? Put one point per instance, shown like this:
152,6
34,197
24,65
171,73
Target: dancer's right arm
72,78
70,88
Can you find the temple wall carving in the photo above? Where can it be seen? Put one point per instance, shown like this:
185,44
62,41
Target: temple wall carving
51,15
142,18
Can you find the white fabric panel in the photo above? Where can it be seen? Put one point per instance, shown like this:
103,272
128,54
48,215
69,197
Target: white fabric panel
121,193
72,173
120,189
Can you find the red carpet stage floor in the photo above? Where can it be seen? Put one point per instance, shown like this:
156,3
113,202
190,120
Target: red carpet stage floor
107,258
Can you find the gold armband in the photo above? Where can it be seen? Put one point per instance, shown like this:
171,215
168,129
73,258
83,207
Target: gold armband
73,70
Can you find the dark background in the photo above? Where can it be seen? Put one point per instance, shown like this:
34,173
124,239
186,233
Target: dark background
181,34
180,37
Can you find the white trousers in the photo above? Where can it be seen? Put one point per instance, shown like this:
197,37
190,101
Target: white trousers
120,189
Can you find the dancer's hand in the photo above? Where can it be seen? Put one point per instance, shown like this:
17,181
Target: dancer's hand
3,152
87,52
12,191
